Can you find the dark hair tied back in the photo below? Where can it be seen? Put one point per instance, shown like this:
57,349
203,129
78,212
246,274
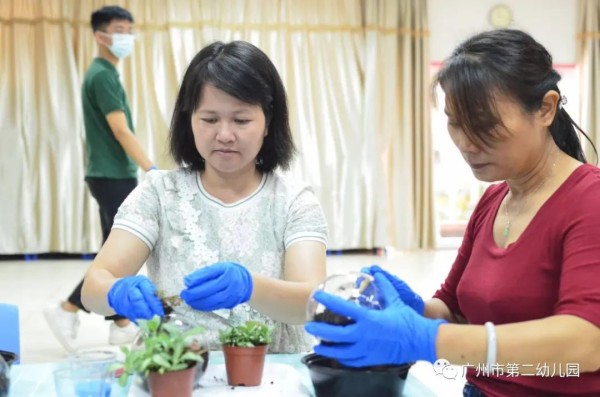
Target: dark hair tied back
511,63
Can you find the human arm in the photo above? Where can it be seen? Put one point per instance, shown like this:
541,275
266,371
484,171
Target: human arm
397,334
558,339
109,96
225,285
122,255
568,331
444,303
110,284
436,308
128,141
285,300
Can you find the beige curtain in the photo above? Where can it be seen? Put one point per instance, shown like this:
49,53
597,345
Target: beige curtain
41,157
398,112
358,110
589,71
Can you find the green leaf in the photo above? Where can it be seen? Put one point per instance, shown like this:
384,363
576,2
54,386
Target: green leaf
189,356
162,361
249,334
177,352
179,367
165,348
145,364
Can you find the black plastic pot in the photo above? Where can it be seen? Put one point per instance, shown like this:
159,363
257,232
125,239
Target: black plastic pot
331,379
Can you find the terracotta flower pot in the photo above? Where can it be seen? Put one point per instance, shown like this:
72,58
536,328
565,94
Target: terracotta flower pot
172,384
244,365
198,373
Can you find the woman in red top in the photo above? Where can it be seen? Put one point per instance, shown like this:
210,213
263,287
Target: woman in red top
521,304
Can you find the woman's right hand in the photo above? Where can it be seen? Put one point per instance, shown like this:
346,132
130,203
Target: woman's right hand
135,297
408,296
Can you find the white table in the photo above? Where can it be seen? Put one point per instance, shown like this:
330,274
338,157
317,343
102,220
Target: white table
36,380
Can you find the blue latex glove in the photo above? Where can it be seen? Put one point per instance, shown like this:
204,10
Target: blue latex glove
135,297
223,285
407,295
394,335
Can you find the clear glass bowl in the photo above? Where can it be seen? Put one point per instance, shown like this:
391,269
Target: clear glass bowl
352,286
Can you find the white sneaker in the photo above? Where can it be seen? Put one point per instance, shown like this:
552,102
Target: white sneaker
64,326
122,335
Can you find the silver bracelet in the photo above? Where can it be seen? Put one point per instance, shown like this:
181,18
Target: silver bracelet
491,344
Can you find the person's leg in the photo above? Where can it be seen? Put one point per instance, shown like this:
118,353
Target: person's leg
110,194
73,302
99,190
62,318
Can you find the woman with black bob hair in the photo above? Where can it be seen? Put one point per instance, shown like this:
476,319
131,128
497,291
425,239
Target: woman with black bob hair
520,307
226,232
242,72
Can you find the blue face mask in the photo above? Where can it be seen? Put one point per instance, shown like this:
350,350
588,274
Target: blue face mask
122,45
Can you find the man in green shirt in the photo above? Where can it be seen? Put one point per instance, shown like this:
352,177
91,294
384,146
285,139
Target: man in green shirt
113,155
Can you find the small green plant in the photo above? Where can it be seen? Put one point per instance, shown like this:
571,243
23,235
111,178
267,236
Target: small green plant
250,334
165,349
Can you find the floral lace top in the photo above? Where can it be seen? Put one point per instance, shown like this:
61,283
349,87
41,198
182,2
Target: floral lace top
186,228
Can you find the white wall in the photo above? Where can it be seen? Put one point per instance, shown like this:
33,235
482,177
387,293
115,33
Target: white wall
551,22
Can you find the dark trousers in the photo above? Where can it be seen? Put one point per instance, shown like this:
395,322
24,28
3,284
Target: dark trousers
110,194
471,391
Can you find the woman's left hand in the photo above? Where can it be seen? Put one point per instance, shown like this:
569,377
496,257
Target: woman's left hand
222,285
394,335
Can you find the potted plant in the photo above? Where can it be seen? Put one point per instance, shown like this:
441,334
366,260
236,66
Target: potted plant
244,347
167,356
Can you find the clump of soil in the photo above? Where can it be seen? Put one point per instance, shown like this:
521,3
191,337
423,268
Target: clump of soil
169,302
329,317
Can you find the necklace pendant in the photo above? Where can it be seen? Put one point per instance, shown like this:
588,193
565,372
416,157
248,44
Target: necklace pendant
506,229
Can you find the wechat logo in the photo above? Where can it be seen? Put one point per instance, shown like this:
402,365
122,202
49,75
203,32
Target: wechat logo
442,367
